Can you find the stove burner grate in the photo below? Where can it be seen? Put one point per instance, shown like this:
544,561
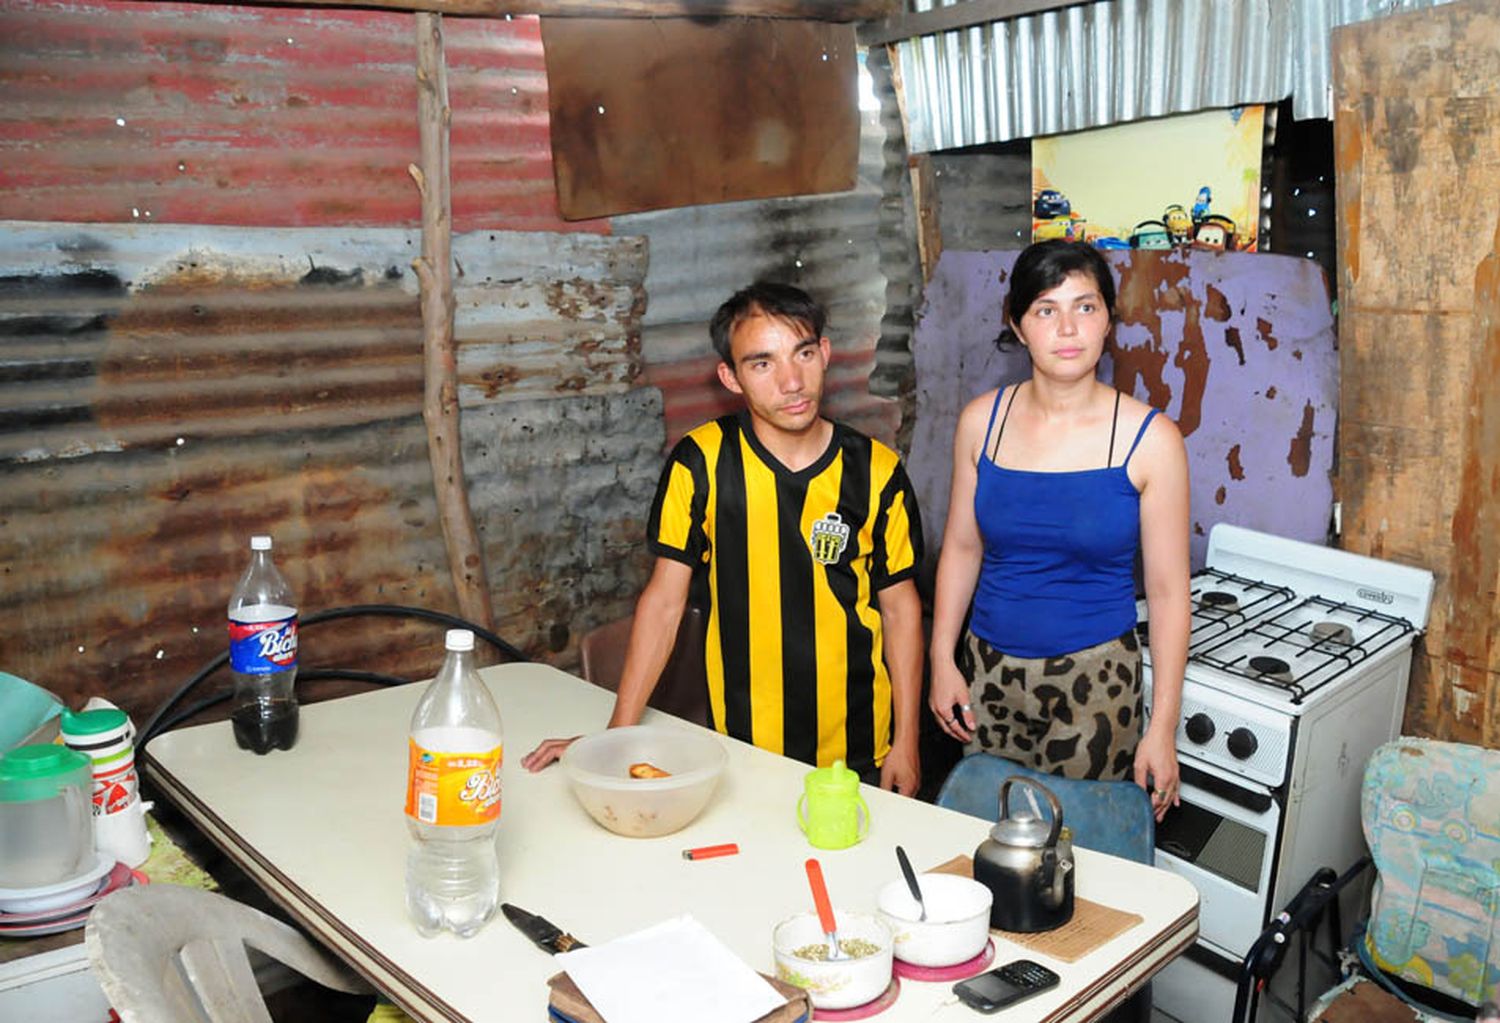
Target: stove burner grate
1304,647
1223,602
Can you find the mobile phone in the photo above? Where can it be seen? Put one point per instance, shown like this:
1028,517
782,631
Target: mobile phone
1005,985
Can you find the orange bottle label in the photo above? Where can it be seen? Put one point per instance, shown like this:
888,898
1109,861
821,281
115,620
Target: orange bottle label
453,788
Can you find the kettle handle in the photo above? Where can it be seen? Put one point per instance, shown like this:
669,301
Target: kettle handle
1052,803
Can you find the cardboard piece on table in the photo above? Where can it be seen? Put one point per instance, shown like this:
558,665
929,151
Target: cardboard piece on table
571,1003
653,113
1092,924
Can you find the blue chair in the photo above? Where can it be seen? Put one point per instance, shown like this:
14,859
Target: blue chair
1107,816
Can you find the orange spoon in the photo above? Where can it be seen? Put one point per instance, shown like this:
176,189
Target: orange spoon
824,907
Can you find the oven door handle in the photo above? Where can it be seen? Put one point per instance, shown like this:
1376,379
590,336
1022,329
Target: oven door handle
1260,802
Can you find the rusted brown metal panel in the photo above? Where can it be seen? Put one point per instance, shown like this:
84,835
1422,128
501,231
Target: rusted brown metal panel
122,112
1417,143
166,391
816,10
677,112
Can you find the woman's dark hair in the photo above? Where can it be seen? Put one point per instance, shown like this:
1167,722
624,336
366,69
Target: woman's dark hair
1041,267
765,298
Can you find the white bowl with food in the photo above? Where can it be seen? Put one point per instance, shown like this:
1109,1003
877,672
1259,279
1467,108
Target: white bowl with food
801,951
957,925
645,780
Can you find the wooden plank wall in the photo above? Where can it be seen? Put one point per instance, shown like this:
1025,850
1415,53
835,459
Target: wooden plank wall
1417,131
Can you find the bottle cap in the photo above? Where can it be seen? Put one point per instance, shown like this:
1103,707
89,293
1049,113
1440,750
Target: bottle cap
260,543
460,639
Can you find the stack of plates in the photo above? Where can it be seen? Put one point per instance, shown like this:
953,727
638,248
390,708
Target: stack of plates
62,905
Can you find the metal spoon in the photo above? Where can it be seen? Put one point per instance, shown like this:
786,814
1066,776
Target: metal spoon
911,880
824,907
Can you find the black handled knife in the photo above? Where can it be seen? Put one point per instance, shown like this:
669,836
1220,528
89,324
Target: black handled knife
547,935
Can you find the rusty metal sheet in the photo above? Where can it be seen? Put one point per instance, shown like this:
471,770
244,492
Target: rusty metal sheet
125,112
122,336
166,391
1238,348
650,114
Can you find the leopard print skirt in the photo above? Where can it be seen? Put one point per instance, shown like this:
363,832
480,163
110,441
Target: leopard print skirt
1078,715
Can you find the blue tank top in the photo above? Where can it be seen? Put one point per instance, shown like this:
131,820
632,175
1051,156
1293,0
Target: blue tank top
1058,573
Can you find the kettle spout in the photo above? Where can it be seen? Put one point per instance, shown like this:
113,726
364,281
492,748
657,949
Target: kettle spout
1052,879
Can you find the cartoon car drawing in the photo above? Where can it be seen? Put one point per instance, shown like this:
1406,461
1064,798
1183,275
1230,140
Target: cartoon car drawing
1051,203
1214,233
1071,228
1109,243
1179,224
1200,207
1150,234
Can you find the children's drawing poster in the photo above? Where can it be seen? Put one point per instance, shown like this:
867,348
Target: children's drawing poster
1190,180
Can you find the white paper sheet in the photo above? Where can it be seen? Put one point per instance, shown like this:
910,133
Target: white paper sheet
674,972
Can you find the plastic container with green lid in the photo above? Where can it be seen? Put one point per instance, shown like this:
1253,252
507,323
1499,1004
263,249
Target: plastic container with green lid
46,816
103,724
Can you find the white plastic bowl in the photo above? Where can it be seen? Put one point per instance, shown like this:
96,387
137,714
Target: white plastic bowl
834,983
957,924
598,766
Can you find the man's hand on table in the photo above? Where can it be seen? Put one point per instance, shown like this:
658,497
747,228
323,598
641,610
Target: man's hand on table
547,752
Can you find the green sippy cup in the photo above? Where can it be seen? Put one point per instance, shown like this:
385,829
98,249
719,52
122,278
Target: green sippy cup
831,812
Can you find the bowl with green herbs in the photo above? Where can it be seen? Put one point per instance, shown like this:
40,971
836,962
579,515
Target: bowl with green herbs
859,975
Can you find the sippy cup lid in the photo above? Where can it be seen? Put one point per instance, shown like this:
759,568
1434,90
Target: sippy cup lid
837,778
34,772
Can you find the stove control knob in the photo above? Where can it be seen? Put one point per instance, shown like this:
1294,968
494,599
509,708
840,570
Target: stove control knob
1242,743
1200,728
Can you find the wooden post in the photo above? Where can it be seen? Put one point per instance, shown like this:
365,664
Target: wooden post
439,352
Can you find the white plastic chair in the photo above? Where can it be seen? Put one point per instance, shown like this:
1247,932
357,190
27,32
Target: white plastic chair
168,954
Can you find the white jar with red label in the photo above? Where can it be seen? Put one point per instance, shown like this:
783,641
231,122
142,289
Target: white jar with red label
106,736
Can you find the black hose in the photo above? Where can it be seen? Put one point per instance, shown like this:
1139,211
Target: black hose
310,675
160,723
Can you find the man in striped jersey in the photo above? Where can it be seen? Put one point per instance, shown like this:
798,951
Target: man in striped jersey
801,539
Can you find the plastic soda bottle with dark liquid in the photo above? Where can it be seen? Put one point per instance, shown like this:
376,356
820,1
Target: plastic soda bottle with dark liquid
263,654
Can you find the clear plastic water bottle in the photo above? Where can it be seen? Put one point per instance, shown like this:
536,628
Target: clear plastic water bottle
263,654
453,798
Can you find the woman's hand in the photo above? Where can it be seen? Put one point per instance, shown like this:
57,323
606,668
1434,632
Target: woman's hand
1156,770
949,699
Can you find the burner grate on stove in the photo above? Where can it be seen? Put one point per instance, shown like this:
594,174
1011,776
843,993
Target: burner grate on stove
1305,647
1223,602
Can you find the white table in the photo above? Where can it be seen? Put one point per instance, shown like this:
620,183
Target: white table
321,828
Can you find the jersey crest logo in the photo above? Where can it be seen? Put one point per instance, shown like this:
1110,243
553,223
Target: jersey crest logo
829,538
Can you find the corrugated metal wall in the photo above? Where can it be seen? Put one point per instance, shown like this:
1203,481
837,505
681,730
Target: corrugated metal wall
168,391
1095,64
170,384
124,112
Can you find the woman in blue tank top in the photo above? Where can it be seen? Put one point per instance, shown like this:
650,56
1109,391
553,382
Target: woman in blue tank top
1058,481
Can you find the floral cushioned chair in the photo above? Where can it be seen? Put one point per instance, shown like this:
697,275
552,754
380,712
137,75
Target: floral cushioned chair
1431,813
1431,817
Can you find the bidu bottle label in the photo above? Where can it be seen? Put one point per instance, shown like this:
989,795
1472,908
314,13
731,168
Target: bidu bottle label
454,789
259,648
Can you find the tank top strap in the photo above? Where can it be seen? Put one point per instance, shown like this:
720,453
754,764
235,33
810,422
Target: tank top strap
1114,423
1001,432
1138,435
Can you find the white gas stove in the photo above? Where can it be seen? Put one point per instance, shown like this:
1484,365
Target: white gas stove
1297,669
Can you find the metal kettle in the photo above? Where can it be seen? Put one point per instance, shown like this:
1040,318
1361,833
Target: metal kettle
1027,862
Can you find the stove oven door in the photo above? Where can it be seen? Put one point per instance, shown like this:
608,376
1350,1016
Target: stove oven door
1222,839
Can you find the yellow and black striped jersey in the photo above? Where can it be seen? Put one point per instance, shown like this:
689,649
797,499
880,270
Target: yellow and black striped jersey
789,566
